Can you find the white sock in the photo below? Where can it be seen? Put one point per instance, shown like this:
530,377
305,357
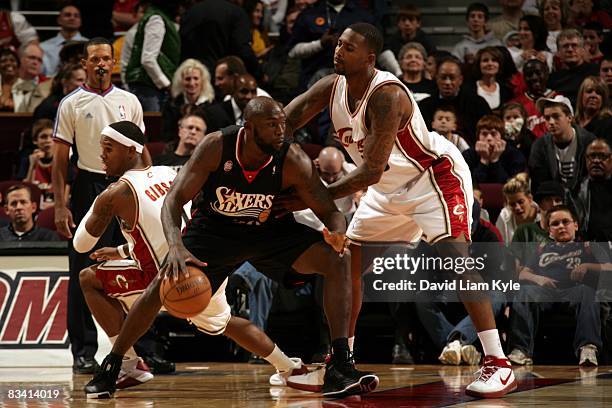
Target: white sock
351,341
491,344
130,354
279,360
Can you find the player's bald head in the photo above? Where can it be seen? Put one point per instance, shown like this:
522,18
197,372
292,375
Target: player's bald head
261,107
330,159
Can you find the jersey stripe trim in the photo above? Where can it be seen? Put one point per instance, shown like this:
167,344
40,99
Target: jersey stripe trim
361,102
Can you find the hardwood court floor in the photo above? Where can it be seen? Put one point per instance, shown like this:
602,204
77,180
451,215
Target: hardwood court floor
243,385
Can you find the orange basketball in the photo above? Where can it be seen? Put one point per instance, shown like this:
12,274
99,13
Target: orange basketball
186,297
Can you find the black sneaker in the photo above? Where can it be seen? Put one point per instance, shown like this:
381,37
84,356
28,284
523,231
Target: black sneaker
103,384
85,365
342,379
401,355
158,364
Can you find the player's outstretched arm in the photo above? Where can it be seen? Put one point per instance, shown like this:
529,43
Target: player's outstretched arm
305,106
187,184
301,174
384,113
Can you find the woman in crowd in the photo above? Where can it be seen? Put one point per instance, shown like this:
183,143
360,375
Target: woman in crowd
259,40
554,13
488,79
9,67
412,57
592,112
190,86
532,35
520,207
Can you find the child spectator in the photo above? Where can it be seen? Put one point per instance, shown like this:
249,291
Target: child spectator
39,169
445,123
476,16
516,131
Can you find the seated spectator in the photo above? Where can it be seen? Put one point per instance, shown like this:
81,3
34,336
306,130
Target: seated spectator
155,56
69,78
316,33
433,60
492,160
484,214
9,70
593,37
511,13
592,111
605,71
409,31
192,129
39,167
69,21
412,59
558,155
226,72
20,208
31,87
575,69
535,73
16,31
259,36
554,13
532,36
489,82
477,15
516,131
594,195
519,209
456,341
469,107
190,86
583,12
445,123
244,91
526,236
557,273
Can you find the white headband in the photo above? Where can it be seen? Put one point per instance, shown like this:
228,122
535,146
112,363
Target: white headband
120,138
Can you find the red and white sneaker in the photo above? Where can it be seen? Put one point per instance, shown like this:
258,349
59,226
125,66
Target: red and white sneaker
311,381
280,378
133,374
495,379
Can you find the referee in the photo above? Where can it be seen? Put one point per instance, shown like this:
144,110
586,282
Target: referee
81,116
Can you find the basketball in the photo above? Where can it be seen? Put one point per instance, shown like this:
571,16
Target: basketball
186,297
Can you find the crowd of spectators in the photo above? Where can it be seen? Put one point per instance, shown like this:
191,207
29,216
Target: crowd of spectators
525,96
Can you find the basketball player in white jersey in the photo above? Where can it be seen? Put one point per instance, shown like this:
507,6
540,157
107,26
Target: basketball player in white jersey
418,185
112,287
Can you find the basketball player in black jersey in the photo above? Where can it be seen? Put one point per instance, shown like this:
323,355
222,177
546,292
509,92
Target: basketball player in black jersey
239,172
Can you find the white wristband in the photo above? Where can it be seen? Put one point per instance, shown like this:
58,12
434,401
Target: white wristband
122,252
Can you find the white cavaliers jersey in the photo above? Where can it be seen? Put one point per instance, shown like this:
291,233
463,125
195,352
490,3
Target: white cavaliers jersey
146,238
415,149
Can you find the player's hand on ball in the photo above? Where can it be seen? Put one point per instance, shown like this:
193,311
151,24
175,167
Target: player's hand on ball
336,240
105,254
176,263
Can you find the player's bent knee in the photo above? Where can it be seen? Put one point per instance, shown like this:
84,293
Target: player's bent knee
87,277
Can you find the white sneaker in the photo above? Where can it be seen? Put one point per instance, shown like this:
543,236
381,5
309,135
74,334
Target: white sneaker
280,378
495,379
311,381
588,356
451,354
470,355
519,357
133,374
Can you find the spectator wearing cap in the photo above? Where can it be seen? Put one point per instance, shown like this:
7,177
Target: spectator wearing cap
528,235
69,20
409,31
593,198
575,69
478,37
558,155
21,209
492,160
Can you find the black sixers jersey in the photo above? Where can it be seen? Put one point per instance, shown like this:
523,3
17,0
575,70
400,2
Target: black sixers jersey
235,196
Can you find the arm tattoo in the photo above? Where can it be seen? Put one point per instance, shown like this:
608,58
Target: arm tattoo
385,114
